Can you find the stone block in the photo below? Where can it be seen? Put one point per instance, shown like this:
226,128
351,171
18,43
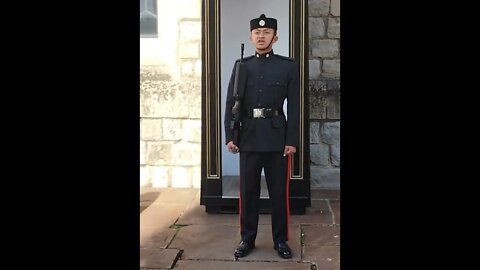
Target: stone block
330,132
325,48
335,155
143,151
144,176
320,154
333,106
160,176
324,99
331,68
172,129
314,132
150,129
186,154
333,85
181,177
335,7
159,153
194,88
316,27
198,68
189,50
153,73
333,99
164,99
313,69
187,68
325,177
317,100
196,177
190,29
318,7
333,30
192,130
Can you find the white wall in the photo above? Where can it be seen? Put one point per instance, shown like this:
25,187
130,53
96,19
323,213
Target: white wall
162,51
170,107
235,19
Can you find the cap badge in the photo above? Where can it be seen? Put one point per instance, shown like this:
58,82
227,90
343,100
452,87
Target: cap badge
261,22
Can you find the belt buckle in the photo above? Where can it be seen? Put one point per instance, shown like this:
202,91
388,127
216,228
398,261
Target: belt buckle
258,113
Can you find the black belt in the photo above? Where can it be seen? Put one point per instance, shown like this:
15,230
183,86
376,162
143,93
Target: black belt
262,112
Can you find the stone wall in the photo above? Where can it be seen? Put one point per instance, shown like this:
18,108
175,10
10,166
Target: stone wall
170,99
324,92
170,132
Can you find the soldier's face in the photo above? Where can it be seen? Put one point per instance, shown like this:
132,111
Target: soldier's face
263,38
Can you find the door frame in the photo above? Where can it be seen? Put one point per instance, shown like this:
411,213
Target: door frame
211,159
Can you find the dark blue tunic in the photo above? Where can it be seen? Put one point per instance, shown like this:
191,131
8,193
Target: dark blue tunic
270,80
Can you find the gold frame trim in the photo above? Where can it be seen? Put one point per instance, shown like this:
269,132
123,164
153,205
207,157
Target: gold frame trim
301,61
293,48
210,173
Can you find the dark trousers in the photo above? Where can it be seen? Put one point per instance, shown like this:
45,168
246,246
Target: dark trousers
275,167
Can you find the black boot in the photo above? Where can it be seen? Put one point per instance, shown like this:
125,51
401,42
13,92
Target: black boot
243,249
283,250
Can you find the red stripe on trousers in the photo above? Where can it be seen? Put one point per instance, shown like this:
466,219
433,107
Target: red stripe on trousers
288,192
240,202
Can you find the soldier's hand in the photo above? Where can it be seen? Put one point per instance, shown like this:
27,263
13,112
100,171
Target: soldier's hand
289,150
232,148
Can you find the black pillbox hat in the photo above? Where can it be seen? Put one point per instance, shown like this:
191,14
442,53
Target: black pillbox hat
263,22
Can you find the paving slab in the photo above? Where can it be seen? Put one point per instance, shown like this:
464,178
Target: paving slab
144,206
147,196
178,196
264,245
202,242
325,257
144,190
321,205
265,219
157,238
195,214
325,194
206,241
318,213
240,265
318,235
158,258
158,218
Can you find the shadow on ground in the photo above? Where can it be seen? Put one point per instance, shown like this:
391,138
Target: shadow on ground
146,199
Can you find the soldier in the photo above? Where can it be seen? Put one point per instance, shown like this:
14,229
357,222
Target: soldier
266,137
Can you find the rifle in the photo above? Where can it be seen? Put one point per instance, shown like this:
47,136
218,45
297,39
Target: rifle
238,92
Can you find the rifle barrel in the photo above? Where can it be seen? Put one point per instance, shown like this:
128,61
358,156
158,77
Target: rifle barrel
241,55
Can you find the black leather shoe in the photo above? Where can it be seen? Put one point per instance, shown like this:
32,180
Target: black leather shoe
283,250
243,249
